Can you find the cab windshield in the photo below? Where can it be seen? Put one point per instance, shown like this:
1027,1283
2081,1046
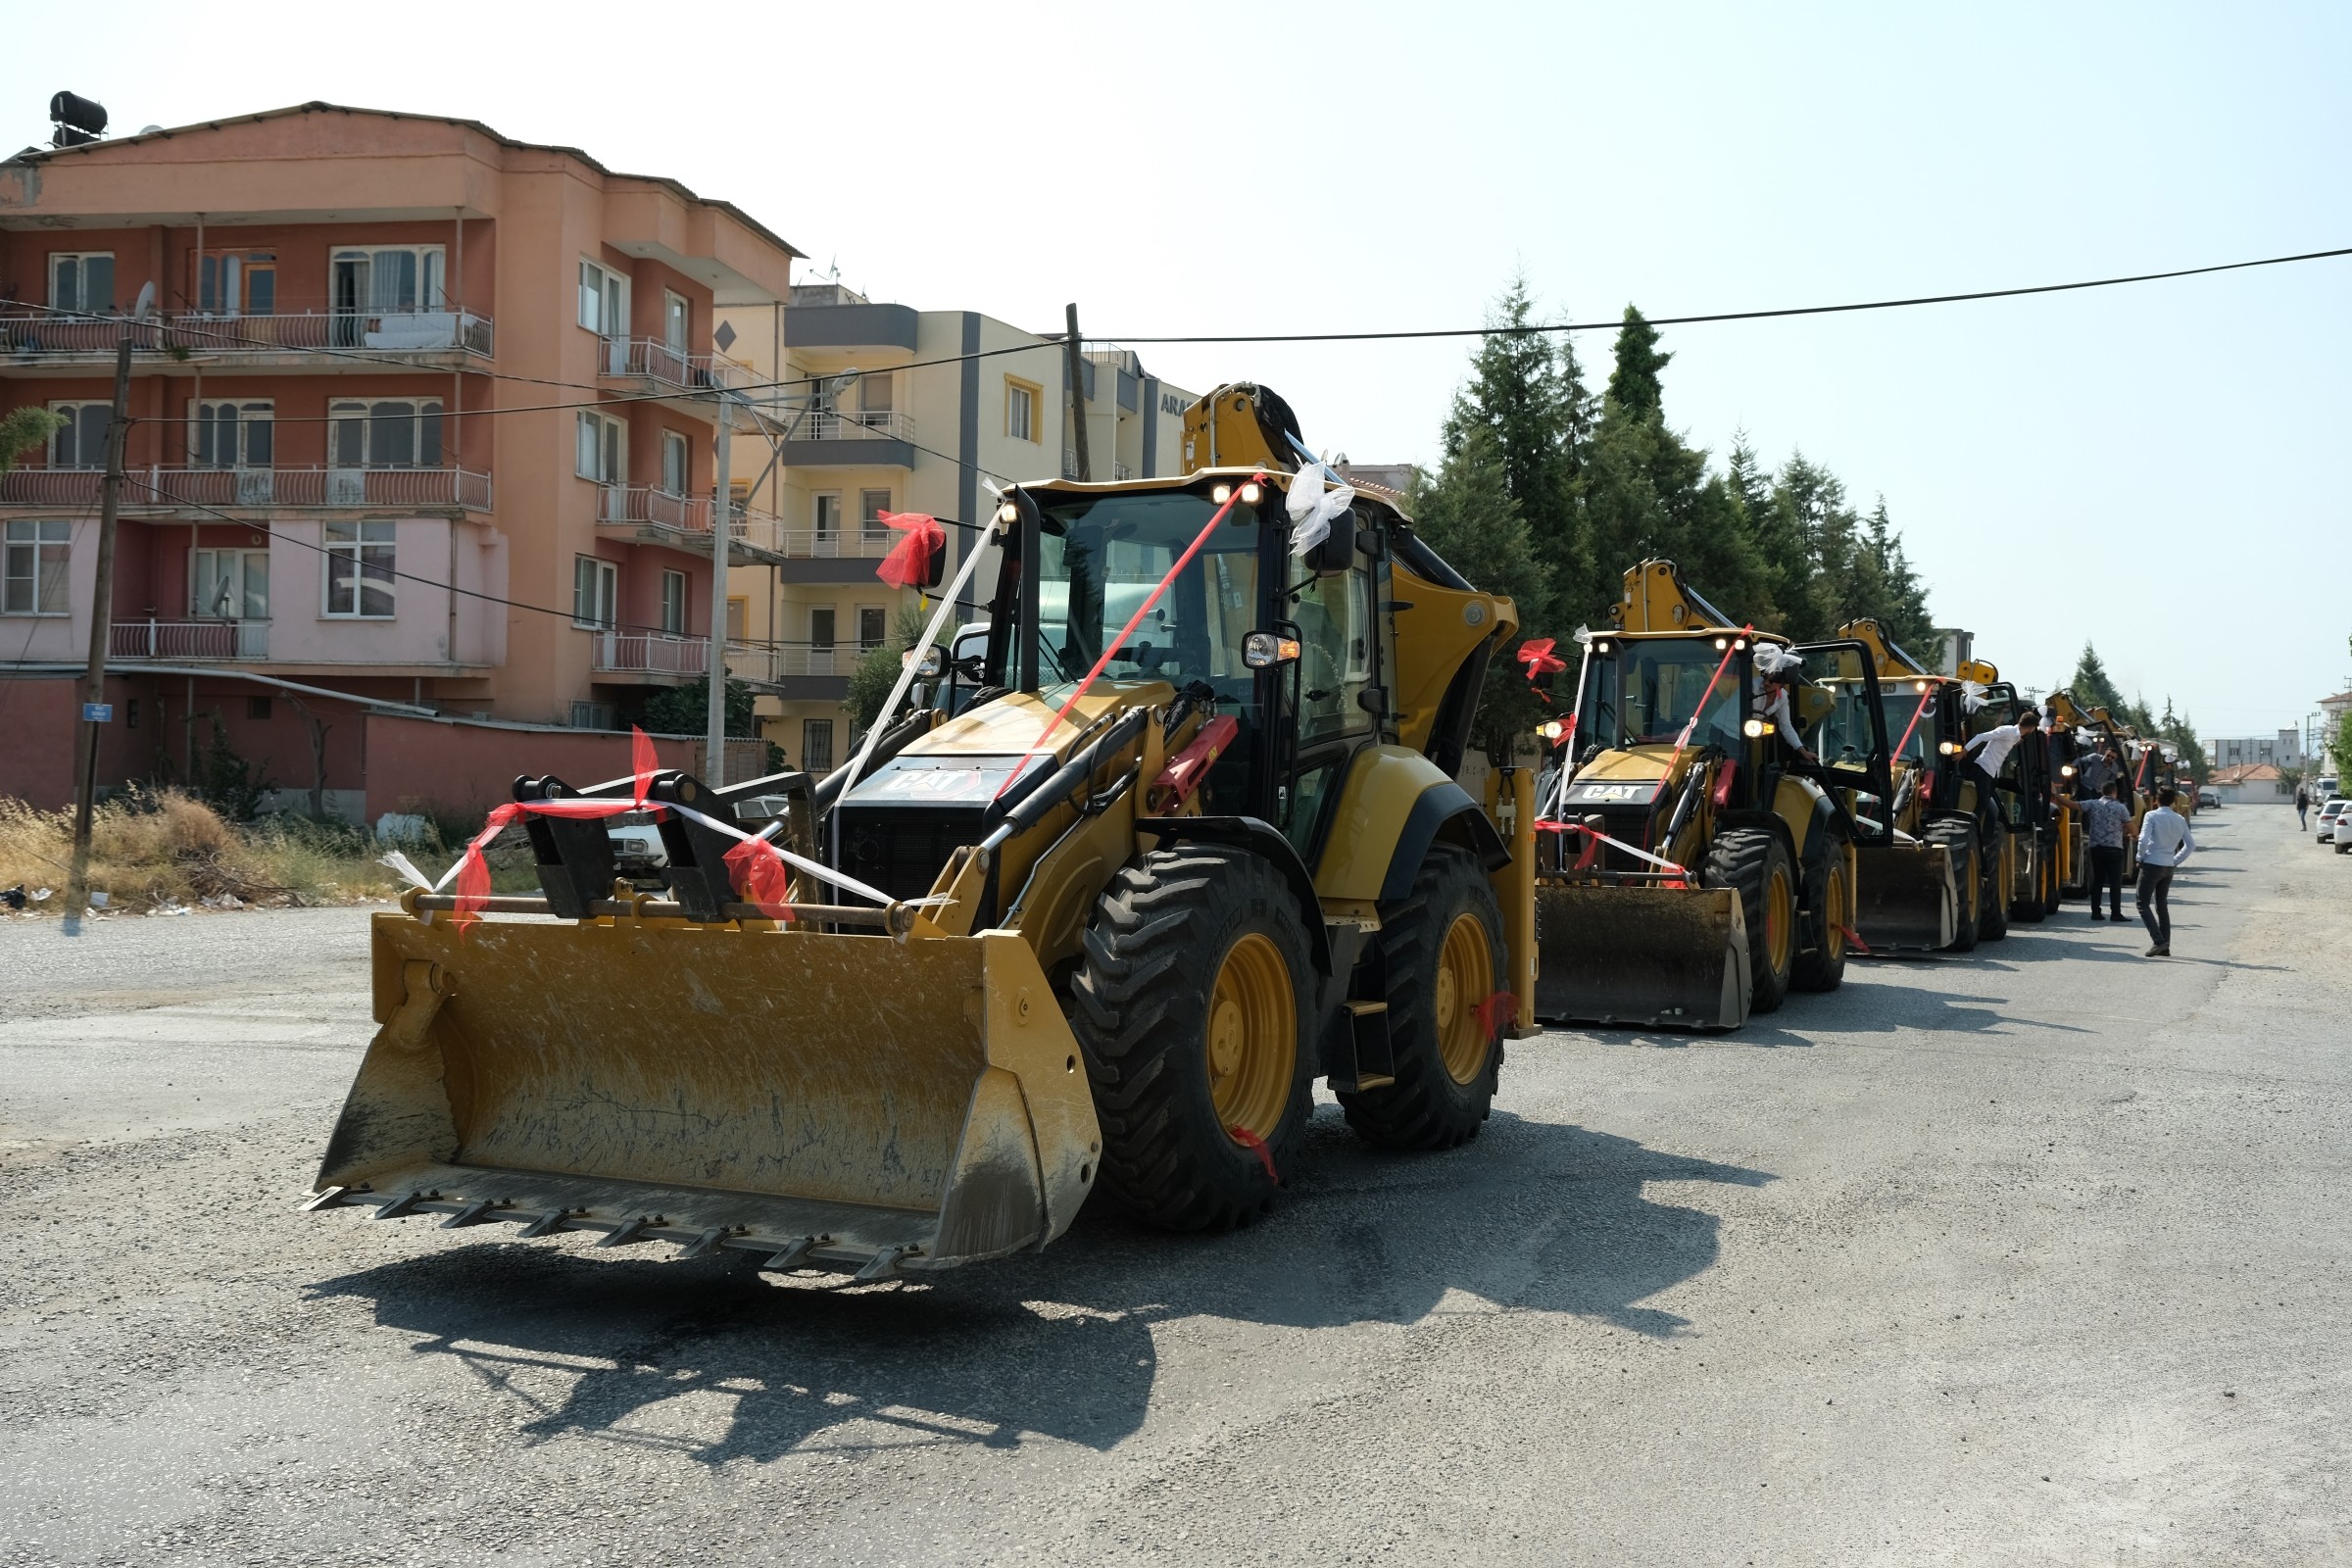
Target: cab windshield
1910,719
1644,691
1099,559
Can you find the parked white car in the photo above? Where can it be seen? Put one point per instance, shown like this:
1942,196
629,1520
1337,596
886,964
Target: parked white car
2330,815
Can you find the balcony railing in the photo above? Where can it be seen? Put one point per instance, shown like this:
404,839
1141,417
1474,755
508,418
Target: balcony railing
637,653
853,424
771,663
626,506
244,640
152,490
364,333
655,360
828,544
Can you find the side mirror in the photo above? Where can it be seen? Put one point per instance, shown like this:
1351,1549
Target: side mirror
1373,700
930,664
1337,552
1263,650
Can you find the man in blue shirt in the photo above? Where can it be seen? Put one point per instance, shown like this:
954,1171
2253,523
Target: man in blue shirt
2105,821
2165,845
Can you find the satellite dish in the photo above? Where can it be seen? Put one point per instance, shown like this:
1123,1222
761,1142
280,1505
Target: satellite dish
149,130
145,309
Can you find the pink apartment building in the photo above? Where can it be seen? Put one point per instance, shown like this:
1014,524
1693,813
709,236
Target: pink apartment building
382,356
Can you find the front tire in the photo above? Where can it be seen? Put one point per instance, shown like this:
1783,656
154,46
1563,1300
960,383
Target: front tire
1444,953
1191,1008
1756,861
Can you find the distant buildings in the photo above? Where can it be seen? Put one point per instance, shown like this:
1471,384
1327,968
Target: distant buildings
2282,749
422,417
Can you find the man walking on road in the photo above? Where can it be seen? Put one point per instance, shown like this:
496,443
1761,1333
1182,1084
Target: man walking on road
2165,845
2104,822
2303,808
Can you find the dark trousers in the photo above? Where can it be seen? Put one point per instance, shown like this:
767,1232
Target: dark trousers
2155,902
2107,871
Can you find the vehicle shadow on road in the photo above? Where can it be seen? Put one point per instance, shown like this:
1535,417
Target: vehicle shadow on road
1532,1218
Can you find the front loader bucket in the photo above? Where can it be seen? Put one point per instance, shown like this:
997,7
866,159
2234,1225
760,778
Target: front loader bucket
825,1101
1906,900
1663,957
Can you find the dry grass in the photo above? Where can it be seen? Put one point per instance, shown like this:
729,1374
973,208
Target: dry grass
166,849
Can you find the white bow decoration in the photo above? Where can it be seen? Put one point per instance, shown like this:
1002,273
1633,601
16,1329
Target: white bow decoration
1774,659
1971,695
1312,507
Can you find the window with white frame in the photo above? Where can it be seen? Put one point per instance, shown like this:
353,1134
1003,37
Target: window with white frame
80,442
826,514
871,504
233,435
33,561
237,282
82,280
602,448
1020,410
359,568
674,603
603,301
678,318
229,584
595,593
384,433
674,450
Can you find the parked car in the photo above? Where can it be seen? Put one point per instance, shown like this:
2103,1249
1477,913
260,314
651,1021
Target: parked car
2330,813
2207,796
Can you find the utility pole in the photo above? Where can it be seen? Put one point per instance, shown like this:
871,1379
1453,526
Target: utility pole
722,531
1077,375
94,713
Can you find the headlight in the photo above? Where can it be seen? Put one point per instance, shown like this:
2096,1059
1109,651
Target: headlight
2065,770
1949,747
1920,686
1250,494
1009,512
1221,494
1263,649
1755,727
1720,643
1551,729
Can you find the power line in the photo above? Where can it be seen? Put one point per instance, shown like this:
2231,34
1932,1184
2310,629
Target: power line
1738,316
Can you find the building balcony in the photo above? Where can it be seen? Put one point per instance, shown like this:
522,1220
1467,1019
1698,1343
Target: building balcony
196,493
317,340
670,369
803,673
658,658
241,641
648,515
850,439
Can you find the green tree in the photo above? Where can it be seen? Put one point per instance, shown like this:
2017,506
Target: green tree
2092,685
1636,383
24,432
1528,396
1467,514
877,670
685,709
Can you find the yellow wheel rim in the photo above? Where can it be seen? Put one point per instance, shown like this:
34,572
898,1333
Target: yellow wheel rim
1839,912
2007,878
1780,920
1253,1036
1465,980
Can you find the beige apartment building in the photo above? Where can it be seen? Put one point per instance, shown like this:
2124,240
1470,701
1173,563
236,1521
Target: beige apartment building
423,418
884,408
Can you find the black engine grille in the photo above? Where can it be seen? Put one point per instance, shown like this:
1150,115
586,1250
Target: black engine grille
902,849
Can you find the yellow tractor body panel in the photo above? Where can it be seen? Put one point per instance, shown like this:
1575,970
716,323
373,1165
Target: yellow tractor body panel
1511,805
895,1105
1440,630
1384,784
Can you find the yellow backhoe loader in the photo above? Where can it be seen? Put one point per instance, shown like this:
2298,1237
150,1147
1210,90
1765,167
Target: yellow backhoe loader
2037,833
1918,892
1108,954
1701,837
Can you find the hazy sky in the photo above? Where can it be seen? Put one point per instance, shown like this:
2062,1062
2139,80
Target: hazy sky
2150,466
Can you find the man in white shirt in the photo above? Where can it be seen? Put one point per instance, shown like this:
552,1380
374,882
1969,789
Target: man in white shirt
1992,749
2165,845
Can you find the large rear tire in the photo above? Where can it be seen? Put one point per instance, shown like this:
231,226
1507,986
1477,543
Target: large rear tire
1443,949
1830,914
1191,1008
1958,836
1996,857
1756,861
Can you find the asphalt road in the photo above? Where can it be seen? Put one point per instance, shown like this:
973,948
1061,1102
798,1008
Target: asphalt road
2036,1255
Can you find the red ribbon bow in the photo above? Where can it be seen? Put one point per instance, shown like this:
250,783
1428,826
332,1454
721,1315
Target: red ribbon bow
1535,654
908,564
